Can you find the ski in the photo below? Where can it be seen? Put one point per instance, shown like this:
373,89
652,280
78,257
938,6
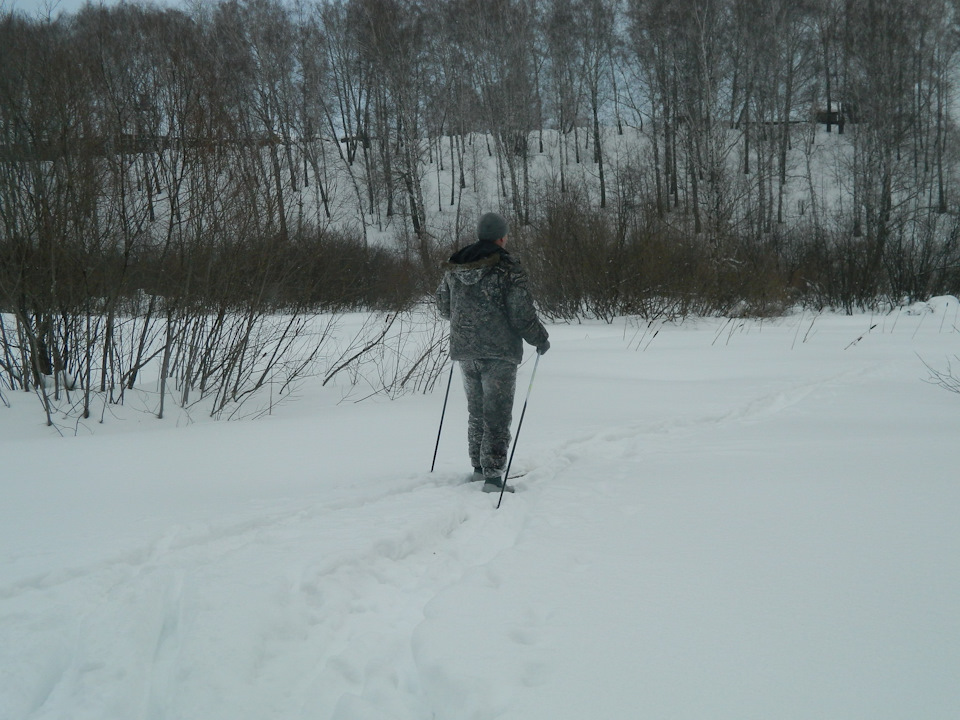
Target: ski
479,478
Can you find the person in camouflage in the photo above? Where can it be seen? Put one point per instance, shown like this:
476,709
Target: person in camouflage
485,297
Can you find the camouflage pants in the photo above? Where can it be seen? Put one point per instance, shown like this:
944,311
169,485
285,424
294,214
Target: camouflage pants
490,386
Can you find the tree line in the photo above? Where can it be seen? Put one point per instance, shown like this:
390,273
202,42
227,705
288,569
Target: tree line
170,177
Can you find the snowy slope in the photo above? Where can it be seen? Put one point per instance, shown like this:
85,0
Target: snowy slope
727,519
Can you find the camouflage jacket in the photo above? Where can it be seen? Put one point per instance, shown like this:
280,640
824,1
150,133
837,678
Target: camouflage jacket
485,297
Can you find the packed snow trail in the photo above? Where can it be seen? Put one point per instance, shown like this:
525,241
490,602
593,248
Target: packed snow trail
730,523
277,615
787,581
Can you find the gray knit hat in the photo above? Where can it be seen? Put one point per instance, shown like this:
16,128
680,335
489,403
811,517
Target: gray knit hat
492,226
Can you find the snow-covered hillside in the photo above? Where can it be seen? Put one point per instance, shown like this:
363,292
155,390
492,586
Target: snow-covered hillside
719,519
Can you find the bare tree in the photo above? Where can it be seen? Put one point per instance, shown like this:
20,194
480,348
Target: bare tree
597,19
566,83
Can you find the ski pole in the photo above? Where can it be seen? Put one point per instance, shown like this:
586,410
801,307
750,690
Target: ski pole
445,397
503,484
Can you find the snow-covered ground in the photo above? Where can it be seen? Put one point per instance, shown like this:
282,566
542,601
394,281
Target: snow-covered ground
720,519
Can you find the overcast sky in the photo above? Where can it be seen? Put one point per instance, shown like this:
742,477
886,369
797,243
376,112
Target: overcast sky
34,8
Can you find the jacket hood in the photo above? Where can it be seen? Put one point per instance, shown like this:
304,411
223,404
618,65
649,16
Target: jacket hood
470,273
469,264
477,251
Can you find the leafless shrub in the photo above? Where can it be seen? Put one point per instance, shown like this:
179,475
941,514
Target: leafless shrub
602,265
947,378
393,353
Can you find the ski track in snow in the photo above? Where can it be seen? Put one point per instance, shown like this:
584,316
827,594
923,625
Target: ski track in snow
629,441
417,542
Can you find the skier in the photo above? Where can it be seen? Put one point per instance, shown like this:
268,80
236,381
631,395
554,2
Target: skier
485,297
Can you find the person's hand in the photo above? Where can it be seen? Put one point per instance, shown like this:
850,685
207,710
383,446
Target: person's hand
543,347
